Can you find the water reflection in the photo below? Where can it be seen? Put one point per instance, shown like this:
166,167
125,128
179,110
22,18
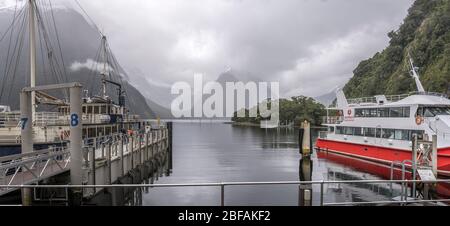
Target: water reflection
161,166
215,152
305,170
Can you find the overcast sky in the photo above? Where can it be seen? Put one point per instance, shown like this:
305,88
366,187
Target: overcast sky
309,46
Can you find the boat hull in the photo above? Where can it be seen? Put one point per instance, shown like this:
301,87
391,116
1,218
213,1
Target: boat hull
381,154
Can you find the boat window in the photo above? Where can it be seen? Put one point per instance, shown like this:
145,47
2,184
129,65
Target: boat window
378,132
401,134
369,132
348,130
395,112
388,134
103,109
339,130
419,134
406,111
397,134
331,129
358,112
383,112
91,132
433,111
357,131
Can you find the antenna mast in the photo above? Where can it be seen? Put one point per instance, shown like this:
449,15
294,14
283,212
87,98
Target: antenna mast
32,35
415,75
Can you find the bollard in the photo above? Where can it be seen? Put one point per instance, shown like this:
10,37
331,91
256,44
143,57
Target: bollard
131,152
93,168
304,139
26,196
140,148
108,162
121,155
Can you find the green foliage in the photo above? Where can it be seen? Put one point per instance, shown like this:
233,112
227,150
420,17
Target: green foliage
425,34
295,109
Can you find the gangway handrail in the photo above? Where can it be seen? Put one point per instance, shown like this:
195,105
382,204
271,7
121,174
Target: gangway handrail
223,184
23,155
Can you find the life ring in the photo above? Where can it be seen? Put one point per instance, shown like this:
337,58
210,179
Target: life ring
419,120
349,112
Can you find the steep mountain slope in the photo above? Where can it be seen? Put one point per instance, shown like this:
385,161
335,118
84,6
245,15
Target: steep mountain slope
425,34
80,42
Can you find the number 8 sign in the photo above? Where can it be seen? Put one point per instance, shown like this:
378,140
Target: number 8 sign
73,120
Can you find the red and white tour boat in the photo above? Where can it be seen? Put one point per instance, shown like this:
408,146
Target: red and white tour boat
380,128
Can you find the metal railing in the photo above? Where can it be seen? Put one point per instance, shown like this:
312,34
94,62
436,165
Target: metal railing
32,167
45,118
222,186
393,98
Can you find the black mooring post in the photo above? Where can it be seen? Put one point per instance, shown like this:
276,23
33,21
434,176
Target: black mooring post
169,130
300,140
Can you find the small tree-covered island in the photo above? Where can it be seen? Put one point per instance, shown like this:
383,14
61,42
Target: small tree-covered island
293,110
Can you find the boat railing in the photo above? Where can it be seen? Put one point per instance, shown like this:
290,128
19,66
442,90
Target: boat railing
332,119
393,98
362,100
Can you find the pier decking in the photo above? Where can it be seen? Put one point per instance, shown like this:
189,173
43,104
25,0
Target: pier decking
114,156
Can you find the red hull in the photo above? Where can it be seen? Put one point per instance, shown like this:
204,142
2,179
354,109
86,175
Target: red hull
381,154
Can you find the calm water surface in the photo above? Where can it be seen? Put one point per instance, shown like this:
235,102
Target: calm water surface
217,152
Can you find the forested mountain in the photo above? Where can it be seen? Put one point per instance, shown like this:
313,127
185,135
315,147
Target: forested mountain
425,34
79,41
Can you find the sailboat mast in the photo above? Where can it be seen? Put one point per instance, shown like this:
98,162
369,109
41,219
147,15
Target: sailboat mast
104,67
32,35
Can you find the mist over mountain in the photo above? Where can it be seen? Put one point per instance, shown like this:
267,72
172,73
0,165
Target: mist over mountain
425,34
79,42
327,98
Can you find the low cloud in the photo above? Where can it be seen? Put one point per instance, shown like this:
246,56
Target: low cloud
91,65
310,47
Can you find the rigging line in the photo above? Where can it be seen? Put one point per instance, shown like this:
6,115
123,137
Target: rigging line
40,21
13,22
10,63
47,41
10,41
116,65
92,69
18,57
120,80
41,47
92,21
59,75
59,44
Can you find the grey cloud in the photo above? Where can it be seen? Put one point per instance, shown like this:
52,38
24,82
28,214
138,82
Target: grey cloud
310,46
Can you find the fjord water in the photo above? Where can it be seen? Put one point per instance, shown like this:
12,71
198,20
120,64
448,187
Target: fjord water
218,152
